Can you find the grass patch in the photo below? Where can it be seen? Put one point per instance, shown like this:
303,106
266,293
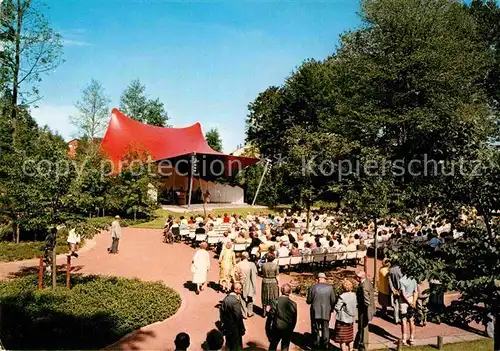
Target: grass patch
476,345
96,312
26,250
160,215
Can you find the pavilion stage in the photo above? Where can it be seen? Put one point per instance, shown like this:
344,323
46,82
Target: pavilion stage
210,207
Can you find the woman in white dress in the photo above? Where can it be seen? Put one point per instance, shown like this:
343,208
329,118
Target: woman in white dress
200,267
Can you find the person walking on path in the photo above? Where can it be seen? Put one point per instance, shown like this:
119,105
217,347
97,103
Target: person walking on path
345,316
284,319
116,234
270,282
200,267
227,263
231,317
322,299
395,276
366,309
248,279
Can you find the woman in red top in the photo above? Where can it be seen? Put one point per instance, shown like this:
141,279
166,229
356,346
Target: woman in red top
226,218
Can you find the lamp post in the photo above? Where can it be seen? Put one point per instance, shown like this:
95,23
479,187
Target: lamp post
268,161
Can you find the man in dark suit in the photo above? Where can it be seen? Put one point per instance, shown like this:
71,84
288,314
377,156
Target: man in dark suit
366,309
231,318
322,299
284,312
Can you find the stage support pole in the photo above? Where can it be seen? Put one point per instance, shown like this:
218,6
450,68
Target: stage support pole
191,164
261,180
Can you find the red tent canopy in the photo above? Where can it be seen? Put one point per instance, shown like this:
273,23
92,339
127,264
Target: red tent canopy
125,135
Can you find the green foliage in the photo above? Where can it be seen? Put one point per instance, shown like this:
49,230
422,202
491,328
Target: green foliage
96,312
136,105
93,111
213,139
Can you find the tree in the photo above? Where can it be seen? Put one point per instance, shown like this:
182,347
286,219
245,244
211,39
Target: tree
93,111
213,139
136,105
32,48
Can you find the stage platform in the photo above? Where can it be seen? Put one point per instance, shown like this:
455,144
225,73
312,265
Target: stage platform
210,207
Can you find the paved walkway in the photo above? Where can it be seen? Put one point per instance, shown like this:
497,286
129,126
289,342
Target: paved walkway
143,255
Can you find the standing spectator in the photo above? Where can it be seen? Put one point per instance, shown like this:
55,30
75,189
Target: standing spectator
423,301
214,340
395,276
270,282
73,241
200,267
366,309
116,234
284,316
231,318
248,279
322,299
407,308
346,315
182,342
384,291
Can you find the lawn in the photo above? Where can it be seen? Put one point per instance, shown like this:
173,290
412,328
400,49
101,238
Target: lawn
477,345
161,214
26,250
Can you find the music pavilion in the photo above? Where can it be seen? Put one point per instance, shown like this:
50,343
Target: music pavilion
187,165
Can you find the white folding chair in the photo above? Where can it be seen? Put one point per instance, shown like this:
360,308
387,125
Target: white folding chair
239,247
200,237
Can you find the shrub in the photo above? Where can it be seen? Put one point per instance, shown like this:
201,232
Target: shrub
302,283
96,312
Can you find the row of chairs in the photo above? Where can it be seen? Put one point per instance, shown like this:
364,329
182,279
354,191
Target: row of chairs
322,259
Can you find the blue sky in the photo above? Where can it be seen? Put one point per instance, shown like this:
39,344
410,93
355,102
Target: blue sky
204,60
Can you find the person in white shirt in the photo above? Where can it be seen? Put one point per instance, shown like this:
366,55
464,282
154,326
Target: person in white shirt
116,234
73,241
283,250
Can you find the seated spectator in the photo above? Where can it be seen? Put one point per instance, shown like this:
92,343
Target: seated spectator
318,249
226,219
295,251
283,250
361,246
307,249
331,247
200,229
214,340
182,342
350,245
240,239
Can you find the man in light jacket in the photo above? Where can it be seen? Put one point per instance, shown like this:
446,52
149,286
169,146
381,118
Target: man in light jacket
248,272
116,234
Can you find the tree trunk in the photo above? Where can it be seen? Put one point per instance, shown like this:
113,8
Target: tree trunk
375,243
18,234
14,231
17,66
308,216
135,215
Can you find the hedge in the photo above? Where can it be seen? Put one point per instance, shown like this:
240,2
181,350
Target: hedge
96,312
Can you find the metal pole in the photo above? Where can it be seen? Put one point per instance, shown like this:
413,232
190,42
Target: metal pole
40,274
191,179
260,183
68,272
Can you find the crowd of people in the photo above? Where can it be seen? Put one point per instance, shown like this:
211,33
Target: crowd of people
269,237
